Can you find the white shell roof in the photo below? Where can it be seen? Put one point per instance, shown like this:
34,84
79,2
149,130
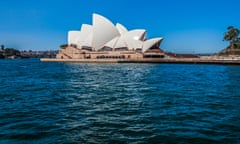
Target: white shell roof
131,39
73,36
151,42
85,35
88,41
121,28
86,27
104,33
112,42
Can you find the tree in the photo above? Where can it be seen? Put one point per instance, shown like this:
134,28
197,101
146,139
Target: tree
63,46
11,52
2,47
232,36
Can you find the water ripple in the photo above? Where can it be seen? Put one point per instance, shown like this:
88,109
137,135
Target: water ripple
118,103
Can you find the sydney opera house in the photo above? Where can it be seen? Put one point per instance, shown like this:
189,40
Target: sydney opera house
105,40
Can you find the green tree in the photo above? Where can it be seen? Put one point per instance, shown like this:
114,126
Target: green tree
63,46
2,47
232,36
11,52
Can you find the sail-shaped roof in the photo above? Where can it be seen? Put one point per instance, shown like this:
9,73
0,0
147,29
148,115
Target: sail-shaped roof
151,42
73,37
103,33
121,28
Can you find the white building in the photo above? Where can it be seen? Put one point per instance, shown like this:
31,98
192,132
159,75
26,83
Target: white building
104,36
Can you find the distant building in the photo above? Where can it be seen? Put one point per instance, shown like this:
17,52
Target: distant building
39,54
104,40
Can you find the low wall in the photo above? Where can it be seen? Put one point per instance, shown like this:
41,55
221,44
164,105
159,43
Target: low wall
148,60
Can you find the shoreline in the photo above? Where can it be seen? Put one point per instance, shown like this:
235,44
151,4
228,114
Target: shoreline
150,60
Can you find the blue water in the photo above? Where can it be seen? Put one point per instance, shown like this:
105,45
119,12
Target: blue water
118,103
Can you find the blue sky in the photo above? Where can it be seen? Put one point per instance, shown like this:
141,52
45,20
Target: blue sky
187,26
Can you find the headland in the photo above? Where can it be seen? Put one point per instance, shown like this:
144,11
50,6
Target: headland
105,42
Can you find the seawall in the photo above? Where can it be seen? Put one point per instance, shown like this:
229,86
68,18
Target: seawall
149,60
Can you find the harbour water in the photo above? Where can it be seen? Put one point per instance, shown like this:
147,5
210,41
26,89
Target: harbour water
118,103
